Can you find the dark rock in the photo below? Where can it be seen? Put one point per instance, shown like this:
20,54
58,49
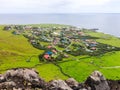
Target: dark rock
21,78
7,85
72,83
28,79
58,85
82,86
2,78
97,81
114,85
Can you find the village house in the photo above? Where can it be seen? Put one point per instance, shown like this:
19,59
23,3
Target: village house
26,27
32,41
93,48
36,28
81,33
7,28
16,32
50,53
19,27
47,57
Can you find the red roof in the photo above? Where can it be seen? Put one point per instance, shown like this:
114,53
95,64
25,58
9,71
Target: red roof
80,32
93,48
54,51
46,56
94,42
49,47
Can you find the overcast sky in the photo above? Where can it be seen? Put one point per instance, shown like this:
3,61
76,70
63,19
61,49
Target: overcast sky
59,6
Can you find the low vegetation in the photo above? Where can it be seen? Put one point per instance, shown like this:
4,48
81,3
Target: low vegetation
17,50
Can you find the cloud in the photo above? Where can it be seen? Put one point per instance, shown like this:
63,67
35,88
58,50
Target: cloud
48,6
88,2
26,5
76,6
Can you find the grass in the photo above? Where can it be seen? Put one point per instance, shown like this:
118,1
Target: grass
49,25
49,72
15,50
17,61
78,70
16,43
105,38
112,74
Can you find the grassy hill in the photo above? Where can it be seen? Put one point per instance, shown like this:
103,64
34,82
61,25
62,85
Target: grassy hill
15,51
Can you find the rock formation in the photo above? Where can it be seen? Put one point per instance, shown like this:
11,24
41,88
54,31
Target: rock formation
21,79
114,85
28,79
97,81
72,82
58,85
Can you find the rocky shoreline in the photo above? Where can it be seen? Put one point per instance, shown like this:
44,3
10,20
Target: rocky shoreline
28,79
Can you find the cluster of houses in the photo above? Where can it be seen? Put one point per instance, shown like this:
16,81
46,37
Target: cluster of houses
73,40
90,44
50,53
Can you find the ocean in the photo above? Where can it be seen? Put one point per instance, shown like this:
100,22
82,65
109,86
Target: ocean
106,22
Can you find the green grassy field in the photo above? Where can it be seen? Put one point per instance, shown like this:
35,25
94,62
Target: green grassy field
106,38
15,50
80,68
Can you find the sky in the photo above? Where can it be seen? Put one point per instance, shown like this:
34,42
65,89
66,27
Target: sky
59,6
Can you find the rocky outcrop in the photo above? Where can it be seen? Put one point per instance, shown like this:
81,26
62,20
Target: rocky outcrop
114,85
97,81
72,83
58,85
21,79
28,79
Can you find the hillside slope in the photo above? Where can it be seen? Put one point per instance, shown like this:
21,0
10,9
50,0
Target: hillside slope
16,51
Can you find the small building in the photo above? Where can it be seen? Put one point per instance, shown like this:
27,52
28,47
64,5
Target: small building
47,57
16,32
54,51
49,47
35,28
81,33
32,41
93,48
7,28
27,27
92,45
49,53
